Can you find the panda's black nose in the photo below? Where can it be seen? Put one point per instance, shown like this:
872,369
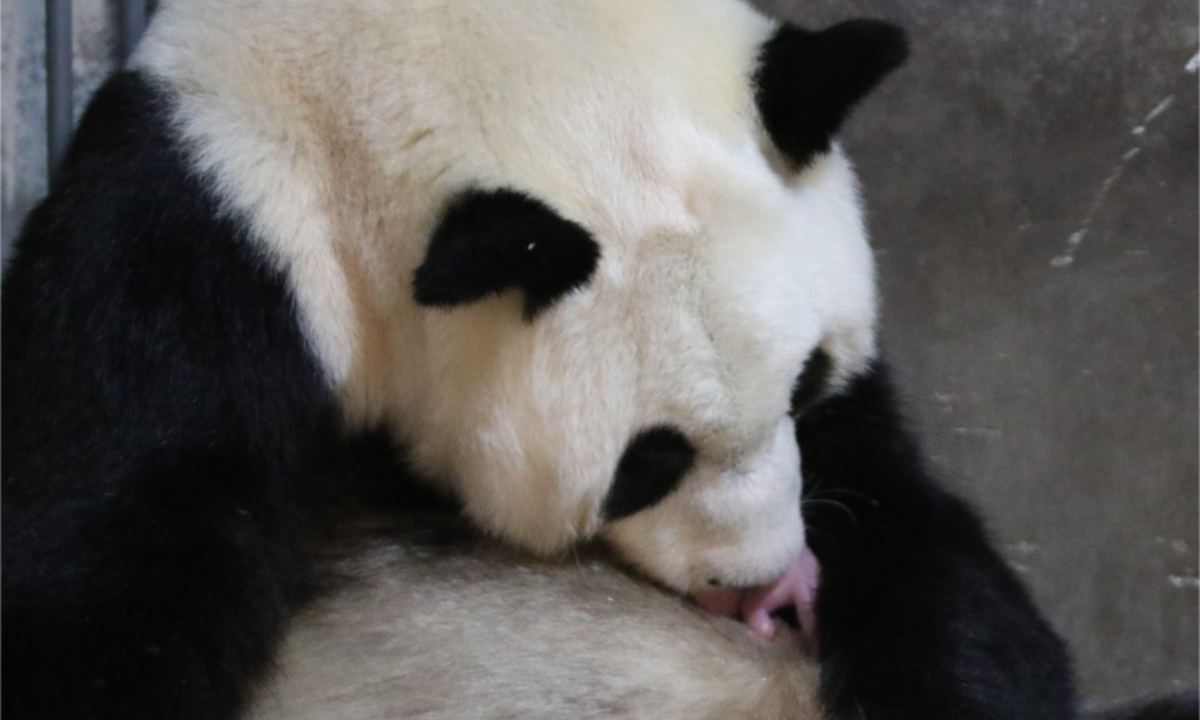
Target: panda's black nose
653,464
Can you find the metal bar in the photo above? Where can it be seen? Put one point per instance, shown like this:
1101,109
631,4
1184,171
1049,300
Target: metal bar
133,23
60,118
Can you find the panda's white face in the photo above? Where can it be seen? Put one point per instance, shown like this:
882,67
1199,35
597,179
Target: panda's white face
696,322
391,156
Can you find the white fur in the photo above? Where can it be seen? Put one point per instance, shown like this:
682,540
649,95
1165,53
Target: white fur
342,130
467,630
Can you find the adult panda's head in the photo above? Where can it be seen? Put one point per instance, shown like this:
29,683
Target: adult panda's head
587,257
626,320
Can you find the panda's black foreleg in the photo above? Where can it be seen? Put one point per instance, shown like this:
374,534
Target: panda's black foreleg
919,617
163,601
162,412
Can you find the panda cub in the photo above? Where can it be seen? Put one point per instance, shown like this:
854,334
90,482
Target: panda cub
426,619
599,271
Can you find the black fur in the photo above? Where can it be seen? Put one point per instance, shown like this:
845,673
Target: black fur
807,82
812,382
497,240
918,617
653,464
160,411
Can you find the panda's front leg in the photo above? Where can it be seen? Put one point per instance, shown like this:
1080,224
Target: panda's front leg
163,599
918,615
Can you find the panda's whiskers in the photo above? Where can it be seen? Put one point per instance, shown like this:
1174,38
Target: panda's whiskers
852,494
809,503
813,530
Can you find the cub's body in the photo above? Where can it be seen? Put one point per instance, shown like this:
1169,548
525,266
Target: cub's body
427,620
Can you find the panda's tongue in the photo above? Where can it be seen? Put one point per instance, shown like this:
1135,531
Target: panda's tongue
796,588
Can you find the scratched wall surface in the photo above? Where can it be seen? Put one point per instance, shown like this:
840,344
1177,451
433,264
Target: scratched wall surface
1032,182
1031,176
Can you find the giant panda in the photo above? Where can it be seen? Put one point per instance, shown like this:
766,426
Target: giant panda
596,270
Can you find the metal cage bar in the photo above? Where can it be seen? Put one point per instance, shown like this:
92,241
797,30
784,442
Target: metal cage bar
60,85
132,14
60,80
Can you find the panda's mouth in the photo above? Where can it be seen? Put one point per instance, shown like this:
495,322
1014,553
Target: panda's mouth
793,594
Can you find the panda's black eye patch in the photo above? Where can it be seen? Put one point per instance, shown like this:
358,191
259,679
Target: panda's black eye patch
496,240
807,82
812,381
653,464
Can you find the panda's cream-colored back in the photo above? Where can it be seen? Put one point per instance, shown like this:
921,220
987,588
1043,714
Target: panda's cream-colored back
343,131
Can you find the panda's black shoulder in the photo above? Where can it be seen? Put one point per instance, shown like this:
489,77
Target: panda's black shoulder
138,312
160,402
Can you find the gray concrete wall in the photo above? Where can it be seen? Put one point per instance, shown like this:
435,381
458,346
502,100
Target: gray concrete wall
1032,179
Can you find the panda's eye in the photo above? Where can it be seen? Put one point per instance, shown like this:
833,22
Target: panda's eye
496,240
811,382
653,464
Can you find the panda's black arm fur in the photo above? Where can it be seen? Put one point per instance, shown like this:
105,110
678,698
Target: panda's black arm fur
919,617
159,405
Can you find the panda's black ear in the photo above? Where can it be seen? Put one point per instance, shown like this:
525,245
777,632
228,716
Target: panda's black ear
807,82
490,241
